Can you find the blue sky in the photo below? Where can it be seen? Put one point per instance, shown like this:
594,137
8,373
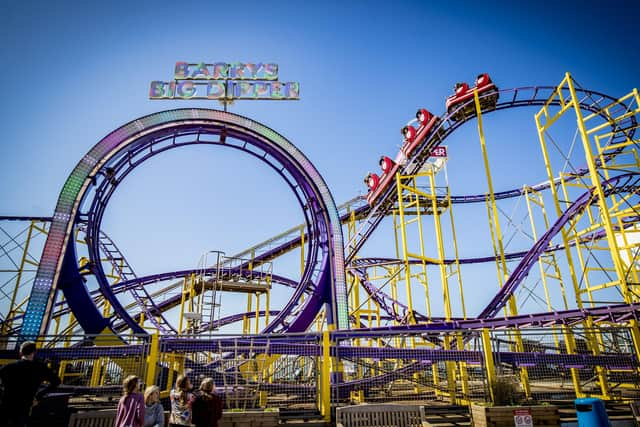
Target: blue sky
74,71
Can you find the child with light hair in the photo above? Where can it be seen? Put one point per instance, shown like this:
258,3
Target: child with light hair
153,411
181,399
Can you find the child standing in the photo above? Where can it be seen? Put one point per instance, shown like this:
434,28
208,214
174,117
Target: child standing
181,397
153,411
131,405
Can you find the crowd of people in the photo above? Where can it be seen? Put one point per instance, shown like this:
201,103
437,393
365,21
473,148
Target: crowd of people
189,407
21,380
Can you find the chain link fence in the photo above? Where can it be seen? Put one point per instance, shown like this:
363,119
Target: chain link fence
553,364
249,371
92,365
290,370
453,366
410,367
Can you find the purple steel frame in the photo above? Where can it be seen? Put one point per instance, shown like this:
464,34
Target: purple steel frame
102,169
519,97
618,184
589,100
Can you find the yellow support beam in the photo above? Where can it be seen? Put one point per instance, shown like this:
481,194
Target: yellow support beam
494,224
325,378
599,192
153,359
450,366
13,310
490,369
405,250
604,213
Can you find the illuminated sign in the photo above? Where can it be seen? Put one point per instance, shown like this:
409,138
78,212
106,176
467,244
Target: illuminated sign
225,82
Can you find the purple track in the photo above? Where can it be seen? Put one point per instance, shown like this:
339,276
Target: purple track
113,158
318,285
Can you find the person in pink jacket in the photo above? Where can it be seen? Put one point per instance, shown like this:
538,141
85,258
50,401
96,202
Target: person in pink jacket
131,405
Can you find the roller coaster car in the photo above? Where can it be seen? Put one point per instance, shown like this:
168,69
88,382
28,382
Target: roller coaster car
377,184
372,181
487,92
412,136
426,121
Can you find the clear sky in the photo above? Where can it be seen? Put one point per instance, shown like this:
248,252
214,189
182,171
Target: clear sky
74,71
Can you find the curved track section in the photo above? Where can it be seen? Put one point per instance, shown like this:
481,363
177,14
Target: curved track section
590,101
621,183
123,269
61,307
399,311
619,313
175,300
520,97
103,167
106,164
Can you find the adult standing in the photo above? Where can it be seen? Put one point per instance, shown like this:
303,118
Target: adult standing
20,381
131,405
181,398
207,406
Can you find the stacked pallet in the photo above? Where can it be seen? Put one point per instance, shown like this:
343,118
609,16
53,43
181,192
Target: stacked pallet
444,416
249,419
503,416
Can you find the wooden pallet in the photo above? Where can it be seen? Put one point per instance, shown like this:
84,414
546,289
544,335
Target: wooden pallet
444,416
378,415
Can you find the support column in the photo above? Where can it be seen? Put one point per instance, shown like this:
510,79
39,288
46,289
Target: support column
325,378
153,358
487,353
494,221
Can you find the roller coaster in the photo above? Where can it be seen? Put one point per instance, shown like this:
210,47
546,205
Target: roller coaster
349,329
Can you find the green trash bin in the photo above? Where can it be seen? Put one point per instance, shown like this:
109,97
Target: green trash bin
591,412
